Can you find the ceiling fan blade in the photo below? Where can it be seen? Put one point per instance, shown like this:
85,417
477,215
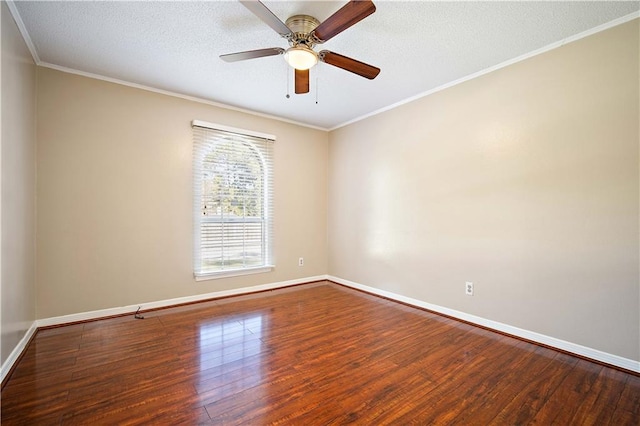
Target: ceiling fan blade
348,15
348,64
261,11
302,81
252,54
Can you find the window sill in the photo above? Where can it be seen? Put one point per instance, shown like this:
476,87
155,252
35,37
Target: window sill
233,273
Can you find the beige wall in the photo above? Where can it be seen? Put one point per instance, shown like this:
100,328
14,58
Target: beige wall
115,198
523,181
18,152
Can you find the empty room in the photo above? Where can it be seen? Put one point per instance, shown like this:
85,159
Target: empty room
320,212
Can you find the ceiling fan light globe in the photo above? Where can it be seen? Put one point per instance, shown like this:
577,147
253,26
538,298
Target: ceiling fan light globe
301,58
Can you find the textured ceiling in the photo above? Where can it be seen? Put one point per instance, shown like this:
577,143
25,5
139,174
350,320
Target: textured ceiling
419,46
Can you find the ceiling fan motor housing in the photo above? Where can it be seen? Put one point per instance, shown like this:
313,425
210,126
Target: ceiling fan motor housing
301,27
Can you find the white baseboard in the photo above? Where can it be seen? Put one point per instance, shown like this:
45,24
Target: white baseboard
574,348
17,351
103,313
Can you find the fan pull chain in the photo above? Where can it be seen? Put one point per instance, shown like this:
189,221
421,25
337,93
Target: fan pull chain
288,77
317,85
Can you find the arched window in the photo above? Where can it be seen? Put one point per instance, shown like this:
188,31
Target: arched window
232,201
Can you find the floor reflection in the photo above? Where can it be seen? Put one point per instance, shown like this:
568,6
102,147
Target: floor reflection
231,354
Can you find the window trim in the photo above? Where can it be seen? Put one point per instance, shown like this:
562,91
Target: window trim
203,276
233,273
241,132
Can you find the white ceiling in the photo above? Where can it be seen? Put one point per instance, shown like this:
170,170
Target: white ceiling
420,46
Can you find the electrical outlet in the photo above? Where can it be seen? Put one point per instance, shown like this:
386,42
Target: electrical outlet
468,288
301,261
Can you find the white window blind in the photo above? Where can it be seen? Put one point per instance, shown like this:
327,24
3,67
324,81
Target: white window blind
233,199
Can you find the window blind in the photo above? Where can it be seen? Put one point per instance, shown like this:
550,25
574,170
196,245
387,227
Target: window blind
233,200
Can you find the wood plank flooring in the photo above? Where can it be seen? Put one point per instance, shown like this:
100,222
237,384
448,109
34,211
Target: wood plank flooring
315,354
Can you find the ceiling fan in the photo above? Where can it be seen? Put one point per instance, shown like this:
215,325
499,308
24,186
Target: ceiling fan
303,32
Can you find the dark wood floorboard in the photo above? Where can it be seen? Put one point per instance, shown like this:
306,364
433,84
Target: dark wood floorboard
316,354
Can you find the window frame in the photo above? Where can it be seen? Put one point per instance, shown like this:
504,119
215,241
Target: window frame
265,156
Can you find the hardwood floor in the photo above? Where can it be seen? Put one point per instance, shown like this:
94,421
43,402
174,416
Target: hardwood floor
308,355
